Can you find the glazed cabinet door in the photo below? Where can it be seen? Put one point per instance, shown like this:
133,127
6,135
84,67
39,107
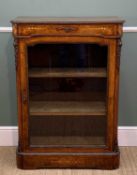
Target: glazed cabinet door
67,94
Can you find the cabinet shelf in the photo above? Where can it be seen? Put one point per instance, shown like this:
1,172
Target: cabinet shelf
67,72
67,108
67,140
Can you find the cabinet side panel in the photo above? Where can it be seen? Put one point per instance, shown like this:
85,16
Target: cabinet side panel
112,94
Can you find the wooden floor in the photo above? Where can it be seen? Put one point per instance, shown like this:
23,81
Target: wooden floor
128,165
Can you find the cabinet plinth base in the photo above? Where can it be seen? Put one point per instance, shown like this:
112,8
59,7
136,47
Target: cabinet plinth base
68,160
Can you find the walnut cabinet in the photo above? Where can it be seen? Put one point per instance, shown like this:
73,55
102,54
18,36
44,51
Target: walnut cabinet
67,90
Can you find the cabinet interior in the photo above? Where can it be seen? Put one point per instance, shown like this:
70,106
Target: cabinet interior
67,94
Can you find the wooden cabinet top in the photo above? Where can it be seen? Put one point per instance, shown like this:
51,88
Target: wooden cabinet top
62,20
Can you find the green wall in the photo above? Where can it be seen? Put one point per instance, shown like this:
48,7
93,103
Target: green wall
128,73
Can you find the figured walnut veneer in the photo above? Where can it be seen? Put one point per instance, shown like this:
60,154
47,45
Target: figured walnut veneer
29,31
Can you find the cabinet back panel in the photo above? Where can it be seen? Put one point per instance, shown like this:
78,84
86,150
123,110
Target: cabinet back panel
67,55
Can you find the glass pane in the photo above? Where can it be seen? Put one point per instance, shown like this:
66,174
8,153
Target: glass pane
67,93
73,130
